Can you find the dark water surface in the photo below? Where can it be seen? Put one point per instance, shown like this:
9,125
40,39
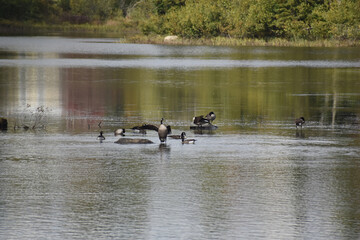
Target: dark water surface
255,177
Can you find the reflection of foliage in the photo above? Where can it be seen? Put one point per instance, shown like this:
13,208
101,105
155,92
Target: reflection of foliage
33,119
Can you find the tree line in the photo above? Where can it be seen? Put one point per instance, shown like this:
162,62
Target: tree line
289,19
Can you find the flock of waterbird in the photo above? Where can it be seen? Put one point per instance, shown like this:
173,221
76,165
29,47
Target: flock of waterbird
165,131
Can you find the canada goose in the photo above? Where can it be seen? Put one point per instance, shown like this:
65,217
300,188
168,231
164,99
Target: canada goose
133,141
187,141
299,122
210,117
162,130
119,131
200,120
175,136
101,137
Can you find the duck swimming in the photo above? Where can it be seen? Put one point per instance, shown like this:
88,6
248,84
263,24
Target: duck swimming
101,137
186,141
299,122
175,136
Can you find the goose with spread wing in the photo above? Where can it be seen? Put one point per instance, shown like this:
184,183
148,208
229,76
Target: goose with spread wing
162,130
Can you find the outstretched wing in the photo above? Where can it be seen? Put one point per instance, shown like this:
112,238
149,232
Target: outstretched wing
149,127
168,129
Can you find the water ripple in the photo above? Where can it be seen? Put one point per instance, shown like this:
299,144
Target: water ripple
183,63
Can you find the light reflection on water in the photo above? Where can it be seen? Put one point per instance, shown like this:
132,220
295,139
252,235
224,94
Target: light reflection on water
255,177
248,185
165,63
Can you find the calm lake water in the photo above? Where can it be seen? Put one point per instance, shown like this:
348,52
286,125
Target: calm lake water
255,177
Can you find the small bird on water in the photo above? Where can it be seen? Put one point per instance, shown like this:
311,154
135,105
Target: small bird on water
101,137
299,122
186,141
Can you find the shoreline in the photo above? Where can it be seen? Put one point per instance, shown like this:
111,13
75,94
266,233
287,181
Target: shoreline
241,42
126,33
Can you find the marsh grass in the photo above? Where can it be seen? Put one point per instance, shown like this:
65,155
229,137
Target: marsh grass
226,41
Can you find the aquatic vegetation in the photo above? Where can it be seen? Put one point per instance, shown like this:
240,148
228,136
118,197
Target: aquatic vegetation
31,118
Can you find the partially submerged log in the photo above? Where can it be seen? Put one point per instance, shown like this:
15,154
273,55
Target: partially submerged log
133,141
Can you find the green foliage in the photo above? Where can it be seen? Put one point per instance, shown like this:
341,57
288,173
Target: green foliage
264,19
27,9
164,6
94,9
198,19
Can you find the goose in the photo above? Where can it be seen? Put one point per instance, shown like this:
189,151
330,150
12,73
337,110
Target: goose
210,117
186,141
175,136
299,122
162,130
101,137
200,120
119,131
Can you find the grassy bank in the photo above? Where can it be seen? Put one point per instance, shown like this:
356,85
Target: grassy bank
128,32
225,41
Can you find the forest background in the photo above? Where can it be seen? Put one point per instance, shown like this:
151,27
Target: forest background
291,20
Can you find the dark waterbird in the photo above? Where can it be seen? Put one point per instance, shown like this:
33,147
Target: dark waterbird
174,136
299,122
101,137
162,130
211,117
3,124
201,120
186,141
